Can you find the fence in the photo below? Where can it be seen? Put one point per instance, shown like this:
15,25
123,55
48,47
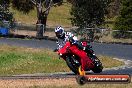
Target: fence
92,34
30,30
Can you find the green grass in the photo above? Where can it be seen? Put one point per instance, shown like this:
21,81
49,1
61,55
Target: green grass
20,60
60,15
30,18
16,60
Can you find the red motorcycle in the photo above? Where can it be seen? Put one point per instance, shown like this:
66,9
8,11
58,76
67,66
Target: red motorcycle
73,61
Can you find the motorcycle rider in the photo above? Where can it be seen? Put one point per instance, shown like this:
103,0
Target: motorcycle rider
63,37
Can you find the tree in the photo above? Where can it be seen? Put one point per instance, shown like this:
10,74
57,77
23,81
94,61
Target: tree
124,20
113,9
5,14
88,13
42,7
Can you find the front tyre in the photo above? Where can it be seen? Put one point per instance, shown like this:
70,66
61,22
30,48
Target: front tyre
73,63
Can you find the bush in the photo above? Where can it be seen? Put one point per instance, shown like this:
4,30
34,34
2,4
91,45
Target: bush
121,34
88,13
123,22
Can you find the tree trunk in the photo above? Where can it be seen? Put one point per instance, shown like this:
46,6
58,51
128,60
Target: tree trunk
41,22
42,18
41,25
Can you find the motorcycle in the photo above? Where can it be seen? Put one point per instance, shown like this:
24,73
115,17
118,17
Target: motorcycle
73,61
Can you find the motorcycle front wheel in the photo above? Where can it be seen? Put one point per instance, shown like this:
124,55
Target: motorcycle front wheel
73,63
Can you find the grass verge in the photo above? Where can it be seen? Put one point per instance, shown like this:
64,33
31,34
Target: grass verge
22,60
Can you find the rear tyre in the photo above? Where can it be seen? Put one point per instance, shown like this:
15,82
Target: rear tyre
97,69
98,65
73,64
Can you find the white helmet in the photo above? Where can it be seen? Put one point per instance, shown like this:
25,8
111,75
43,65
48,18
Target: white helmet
59,31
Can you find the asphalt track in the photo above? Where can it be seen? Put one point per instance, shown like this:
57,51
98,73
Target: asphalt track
116,50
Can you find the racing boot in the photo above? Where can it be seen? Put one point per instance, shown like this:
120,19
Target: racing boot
81,72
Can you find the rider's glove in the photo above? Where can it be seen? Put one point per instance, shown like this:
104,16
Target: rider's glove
55,50
71,40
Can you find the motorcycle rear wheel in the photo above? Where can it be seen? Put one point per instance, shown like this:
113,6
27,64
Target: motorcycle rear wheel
98,68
